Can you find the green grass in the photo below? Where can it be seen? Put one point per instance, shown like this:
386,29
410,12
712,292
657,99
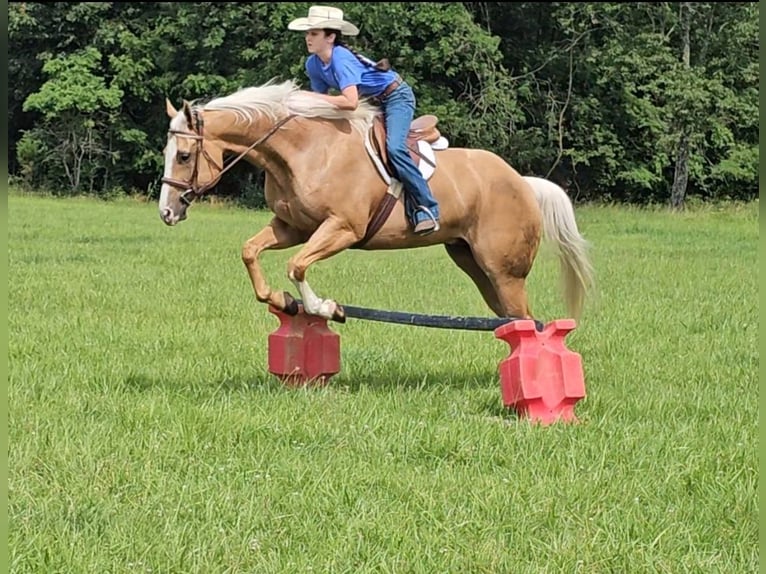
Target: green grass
146,434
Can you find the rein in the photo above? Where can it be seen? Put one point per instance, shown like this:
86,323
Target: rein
192,189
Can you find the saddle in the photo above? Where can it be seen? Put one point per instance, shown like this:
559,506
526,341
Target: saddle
423,138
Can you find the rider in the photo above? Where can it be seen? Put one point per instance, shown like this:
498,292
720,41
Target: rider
333,64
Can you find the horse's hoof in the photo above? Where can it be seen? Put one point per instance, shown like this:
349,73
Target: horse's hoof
291,305
339,315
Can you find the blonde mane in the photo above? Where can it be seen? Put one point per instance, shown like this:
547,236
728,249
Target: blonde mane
276,100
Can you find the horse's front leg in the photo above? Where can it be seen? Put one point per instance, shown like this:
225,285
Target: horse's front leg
333,236
276,235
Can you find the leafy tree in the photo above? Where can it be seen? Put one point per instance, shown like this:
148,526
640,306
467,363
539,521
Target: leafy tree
76,107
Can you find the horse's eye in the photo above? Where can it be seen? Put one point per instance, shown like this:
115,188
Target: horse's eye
184,156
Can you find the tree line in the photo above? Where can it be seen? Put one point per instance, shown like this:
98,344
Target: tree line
631,102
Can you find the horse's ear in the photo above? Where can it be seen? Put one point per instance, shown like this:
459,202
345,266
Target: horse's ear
172,112
188,114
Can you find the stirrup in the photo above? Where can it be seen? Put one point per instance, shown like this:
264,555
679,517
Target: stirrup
431,216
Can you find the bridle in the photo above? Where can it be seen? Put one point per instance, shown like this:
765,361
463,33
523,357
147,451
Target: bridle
192,189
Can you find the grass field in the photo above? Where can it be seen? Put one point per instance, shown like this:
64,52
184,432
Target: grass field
146,434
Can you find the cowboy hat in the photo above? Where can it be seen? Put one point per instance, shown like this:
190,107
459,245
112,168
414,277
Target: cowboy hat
324,17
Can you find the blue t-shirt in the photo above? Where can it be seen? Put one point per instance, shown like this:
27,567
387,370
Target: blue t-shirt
345,70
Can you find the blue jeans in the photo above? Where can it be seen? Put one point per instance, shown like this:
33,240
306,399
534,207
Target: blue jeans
399,110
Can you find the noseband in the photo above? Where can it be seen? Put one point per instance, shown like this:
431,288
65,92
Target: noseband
192,189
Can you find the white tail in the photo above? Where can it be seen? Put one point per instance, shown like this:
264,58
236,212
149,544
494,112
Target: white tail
560,230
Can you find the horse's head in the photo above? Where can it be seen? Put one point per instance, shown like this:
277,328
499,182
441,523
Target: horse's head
192,164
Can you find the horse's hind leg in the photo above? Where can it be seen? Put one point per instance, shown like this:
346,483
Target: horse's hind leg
507,269
276,235
512,293
333,236
463,257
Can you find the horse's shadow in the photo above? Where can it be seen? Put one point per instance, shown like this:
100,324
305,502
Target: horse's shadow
383,380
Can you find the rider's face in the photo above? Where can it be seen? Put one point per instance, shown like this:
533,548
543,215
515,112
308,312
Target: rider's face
317,41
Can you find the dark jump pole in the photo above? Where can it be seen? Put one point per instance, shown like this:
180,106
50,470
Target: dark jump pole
435,321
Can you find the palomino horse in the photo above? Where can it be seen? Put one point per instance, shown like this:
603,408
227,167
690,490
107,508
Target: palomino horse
325,186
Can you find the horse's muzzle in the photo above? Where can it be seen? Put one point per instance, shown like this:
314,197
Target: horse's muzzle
170,218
